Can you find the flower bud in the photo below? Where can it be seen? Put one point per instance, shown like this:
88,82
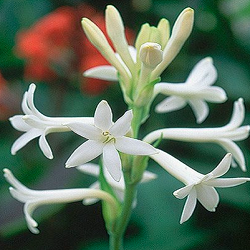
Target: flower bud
151,54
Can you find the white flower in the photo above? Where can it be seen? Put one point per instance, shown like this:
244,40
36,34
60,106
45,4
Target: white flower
35,198
224,136
196,91
129,65
118,187
198,186
35,124
106,137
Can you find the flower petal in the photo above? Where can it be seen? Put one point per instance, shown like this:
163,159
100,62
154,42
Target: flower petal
171,103
207,196
234,149
204,73
19,124
87,131
105,72
223,166
200,109
183,192
237,116
189,206
227,182
122,125
103,116
90,169
112,161
213,94
24,139
88,151
44,146
132,146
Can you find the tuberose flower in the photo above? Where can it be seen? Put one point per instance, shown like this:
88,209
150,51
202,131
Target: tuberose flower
118,186
106,137
35,124
35,198
223,136
196,91
198,186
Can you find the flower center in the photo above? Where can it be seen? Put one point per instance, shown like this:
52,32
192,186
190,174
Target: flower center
108,137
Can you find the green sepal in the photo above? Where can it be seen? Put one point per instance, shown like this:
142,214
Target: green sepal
106,211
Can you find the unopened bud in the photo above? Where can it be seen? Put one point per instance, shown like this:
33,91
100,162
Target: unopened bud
151,54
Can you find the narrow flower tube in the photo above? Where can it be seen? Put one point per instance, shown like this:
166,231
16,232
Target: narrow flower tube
35,124
223,136
197,186
34,198
181,31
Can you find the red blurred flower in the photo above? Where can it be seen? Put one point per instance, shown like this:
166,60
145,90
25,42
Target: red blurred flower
7,100
56,47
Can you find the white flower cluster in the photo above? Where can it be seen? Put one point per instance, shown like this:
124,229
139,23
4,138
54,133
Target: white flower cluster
137,69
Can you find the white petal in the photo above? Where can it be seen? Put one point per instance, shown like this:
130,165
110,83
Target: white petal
103,116
237,116
13,181
189,206
91,201
29,208
19,124
208,197
148,176
233,148
25,107
33,121
90,168
104,72
171,104
238,134
223,166
122,125
112,161
24,139
87,131
227,182
204,73
183,192
133,52
116,185
132,146
88,151
200,109
213,94
44,146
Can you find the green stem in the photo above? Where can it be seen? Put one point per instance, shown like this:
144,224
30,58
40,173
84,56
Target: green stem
116,238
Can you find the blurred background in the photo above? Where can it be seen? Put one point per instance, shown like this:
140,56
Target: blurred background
41,41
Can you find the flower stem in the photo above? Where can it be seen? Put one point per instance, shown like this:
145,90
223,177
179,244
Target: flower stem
116,238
